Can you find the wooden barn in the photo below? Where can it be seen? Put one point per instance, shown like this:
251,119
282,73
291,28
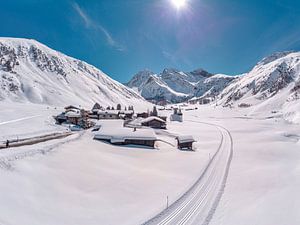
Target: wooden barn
154,122
185,142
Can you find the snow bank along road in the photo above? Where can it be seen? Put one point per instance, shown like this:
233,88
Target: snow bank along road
10,155
199,203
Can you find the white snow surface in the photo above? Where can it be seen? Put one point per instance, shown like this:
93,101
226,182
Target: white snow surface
114,130
32,72
79,180
176,86
150,118
185,138
273,86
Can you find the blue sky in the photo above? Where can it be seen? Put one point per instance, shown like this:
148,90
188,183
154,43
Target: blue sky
122,37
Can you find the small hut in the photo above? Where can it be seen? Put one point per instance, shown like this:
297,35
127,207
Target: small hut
154,122
185,142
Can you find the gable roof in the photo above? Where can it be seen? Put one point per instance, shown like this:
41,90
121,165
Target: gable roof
151,118
72,107
185,139
121,134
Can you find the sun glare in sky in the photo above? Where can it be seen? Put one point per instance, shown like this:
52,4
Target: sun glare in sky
179,4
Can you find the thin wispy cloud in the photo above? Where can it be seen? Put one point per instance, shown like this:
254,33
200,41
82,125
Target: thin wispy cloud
91,24
82,14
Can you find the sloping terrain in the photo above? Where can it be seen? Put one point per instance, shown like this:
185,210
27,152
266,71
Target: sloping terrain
32,72
272,86
175,86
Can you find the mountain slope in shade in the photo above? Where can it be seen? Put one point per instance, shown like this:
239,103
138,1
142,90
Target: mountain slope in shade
32,72
177,86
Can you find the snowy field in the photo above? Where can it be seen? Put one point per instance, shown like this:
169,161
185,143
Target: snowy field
79,180
26,120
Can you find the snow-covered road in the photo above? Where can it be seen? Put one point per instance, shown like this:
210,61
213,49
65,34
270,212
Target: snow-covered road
199,203
18,120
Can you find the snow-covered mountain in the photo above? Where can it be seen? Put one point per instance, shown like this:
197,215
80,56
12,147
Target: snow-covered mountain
176,86
32,72
272,85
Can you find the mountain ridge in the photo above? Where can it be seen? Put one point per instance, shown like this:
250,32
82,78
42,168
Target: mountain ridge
32,72
175,86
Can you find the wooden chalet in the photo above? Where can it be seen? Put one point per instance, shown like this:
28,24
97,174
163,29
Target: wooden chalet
154,122
126,136
185,142
73,117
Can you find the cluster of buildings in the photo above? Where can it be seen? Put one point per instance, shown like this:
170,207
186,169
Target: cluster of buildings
75,116
83,118
132,132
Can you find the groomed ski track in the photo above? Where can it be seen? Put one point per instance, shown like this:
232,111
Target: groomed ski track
198,205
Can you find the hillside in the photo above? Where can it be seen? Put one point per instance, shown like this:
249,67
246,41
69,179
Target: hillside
32,72
272,86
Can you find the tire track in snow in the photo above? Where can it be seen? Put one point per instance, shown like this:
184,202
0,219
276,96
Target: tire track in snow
199,203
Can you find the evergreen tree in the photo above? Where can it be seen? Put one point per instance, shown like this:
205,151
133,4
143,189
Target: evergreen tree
154,112
119,107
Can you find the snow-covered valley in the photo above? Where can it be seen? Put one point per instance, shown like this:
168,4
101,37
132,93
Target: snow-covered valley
244,170
79,180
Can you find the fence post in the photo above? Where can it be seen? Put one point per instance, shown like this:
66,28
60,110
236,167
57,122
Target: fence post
167,201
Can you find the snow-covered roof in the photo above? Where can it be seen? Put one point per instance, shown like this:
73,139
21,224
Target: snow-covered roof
109,112
126,112
73,114
185,139
152,118
71,107
121,134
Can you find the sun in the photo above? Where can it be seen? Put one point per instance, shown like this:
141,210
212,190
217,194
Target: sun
179,4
